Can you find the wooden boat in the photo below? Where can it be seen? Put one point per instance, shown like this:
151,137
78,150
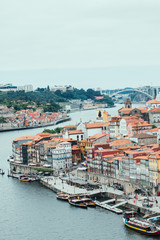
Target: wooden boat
62,196
76,203
91,204
88,201
143,226
24,179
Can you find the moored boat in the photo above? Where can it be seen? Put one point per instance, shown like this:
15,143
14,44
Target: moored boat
88,201
143,226
24,179
76,203
62,196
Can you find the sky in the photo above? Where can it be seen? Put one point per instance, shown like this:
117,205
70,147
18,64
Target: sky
88,43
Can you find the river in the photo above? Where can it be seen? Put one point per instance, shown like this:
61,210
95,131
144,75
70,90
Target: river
30,211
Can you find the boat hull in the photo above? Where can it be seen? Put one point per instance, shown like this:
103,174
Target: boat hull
143,231
78,205
62,198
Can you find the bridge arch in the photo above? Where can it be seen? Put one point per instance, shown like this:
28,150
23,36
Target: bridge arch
131,90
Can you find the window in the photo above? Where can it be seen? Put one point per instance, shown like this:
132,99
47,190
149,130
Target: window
81,137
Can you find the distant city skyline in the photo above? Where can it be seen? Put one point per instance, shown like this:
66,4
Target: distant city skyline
104,78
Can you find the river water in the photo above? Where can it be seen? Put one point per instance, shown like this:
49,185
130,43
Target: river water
30,211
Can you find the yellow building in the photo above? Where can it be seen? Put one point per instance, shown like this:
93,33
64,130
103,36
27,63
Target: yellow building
82,148
102,115
154,169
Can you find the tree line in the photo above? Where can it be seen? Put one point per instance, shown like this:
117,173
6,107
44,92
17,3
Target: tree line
48,100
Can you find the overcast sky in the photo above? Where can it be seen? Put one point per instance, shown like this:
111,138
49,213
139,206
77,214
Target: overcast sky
87,43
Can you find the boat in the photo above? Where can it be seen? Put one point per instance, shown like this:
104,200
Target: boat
24,179
141,225
91,204
77,203
62,196
87,201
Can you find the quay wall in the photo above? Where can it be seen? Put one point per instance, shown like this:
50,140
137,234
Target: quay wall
16,167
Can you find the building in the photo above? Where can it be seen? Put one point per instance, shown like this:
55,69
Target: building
26,88
103,115
77,135
7,87
128,103
153,104
154,116
62,156
114,125
144,139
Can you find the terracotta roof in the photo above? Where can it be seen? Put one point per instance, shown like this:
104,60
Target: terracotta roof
23,138
155,110
125,110
110,161
73,132
153,130
70,126
153,101
28,143
142,157
95,125
119,142
96,136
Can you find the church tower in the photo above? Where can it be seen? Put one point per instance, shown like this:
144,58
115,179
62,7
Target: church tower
128,103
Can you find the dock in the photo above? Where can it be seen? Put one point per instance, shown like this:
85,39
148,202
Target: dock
108,207
120,204
109,201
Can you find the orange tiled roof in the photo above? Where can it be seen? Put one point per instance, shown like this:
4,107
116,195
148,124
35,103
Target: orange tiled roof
119,142
110,161
23,138
70,126
96,136
95,125
155,110
153,101
153,130
125,110
73,132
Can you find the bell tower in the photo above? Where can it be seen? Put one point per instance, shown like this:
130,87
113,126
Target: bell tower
128,103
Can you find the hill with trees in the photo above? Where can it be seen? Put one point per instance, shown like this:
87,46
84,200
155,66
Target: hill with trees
48,100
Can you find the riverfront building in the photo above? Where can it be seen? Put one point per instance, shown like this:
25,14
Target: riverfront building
123,150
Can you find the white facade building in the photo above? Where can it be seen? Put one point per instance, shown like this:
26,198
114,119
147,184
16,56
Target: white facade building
123,128
114,127
26,88
62,156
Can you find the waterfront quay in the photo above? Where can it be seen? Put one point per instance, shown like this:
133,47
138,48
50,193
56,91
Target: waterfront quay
59,184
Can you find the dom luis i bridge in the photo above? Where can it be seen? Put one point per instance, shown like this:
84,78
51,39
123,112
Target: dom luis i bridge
150,92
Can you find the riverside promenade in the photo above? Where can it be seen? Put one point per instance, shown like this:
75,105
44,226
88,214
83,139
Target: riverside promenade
58,184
